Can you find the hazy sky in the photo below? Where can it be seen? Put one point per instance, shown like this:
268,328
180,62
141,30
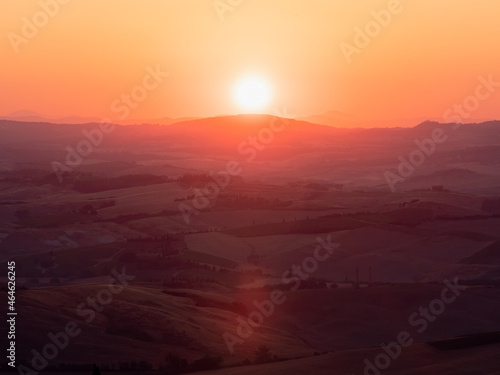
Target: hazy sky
88,53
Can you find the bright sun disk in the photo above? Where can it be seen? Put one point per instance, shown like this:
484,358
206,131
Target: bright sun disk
252,93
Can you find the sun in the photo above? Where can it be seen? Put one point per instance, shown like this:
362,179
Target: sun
252,93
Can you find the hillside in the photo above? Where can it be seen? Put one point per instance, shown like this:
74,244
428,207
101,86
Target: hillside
489,255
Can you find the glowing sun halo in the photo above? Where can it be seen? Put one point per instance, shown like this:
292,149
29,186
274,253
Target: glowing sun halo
252,93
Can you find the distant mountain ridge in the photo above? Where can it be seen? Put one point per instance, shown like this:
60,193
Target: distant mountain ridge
344,120
334,119
32,116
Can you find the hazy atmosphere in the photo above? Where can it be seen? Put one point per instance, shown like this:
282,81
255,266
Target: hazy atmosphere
250,187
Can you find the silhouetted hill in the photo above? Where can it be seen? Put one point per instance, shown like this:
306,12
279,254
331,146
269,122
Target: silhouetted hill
489,255
290,148
31,116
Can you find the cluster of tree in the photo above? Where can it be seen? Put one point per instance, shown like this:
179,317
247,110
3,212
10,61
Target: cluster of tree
94,184
66,368
120,219
22,175
196,282
243,201
311,283
134,366
255,259
324,186
174,364
193,179
160,263
191,283
176,284
187,198
11,203
307,226
178,365
106,204
462,217
405,204
192,280
262,355
166,237
88,209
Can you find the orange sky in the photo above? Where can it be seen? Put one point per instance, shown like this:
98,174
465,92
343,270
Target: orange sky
90,52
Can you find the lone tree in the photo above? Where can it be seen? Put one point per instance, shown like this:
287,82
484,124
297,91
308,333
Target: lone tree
207,363
176,364
263,354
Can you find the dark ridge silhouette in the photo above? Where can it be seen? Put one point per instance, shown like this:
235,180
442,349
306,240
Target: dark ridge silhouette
489,255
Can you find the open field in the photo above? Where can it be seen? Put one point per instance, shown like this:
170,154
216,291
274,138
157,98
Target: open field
190,323
198,279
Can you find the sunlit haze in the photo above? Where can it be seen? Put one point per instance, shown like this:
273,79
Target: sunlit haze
250,187
426,57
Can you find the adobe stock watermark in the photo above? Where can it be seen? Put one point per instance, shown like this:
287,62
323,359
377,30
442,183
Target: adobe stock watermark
59,341
30,27
223,6
363,36
266,308
250,147
420,320
426,147
121,106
